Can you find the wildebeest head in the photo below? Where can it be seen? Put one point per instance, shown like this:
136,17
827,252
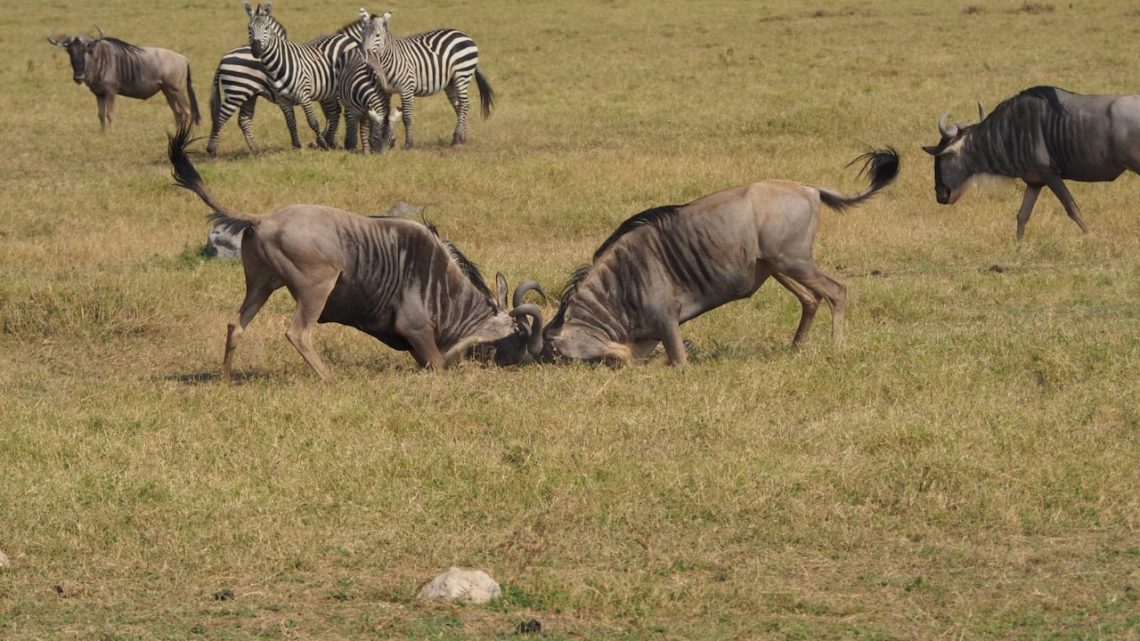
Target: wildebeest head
570,338
525,339
78,49
952,170
263,27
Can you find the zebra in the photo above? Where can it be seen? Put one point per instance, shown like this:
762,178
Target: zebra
365,99
300,73
424,63
238,81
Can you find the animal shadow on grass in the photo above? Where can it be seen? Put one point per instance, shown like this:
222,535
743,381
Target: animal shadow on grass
202,378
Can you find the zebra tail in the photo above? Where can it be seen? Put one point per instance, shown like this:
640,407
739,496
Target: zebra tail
486,94
215,98
194,113
187,177
881,167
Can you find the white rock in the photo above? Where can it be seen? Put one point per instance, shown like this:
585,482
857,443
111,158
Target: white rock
472,586
4,562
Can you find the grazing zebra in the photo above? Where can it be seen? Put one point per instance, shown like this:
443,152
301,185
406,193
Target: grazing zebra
301,72
424,63
365,100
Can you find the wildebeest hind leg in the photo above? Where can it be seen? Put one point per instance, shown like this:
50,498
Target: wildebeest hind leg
179,105
1062,192
825,287
1027,202
809,303
312,294
256,293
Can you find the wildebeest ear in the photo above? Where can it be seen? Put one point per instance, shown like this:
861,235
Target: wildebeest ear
933,151
501,290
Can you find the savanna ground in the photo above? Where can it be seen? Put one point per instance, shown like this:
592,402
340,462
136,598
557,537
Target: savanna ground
964,468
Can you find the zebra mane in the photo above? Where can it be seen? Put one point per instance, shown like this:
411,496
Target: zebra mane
653,217
353,29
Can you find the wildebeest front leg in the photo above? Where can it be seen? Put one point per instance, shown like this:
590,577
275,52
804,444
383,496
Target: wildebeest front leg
1027,202
106,110
669,331
809,303
1057,186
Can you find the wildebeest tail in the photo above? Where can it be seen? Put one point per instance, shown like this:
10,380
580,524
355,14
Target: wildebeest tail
187,177
881,167
486,94
194,113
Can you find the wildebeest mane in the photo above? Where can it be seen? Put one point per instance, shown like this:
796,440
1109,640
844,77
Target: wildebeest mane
122,45
1047,93
466,266
568,291
653,217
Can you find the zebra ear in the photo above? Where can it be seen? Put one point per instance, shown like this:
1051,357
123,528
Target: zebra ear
387,17
268,8
249,9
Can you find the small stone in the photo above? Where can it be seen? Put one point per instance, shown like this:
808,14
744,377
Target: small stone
224,595
534,626
471,586
4,562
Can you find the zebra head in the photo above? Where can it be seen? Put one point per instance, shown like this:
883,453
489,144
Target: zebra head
263,28
374,29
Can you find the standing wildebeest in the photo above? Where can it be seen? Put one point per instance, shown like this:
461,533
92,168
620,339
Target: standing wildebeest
1042,135
111,67
667,265
391,278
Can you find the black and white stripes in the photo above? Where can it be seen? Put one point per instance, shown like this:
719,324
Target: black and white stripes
423,64
301,73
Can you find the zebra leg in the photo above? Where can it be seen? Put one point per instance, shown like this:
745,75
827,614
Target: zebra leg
290,121
245,121
311,116
457,95
351,128
406,100
331,109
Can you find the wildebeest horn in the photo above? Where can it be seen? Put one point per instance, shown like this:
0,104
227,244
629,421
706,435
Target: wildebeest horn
101,34
946,130
522,289
53,41
534,341
981,113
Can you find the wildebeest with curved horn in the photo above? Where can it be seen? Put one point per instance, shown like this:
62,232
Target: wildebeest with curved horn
667,265
111,67
1043,135
392,278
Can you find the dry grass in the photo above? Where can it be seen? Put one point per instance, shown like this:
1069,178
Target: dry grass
964,468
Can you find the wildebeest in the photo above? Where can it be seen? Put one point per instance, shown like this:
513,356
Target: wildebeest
392,278
667,265
1043,136
111,67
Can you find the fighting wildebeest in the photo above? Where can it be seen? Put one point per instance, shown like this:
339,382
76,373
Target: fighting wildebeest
392,278
667,265
111,67
1043,136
